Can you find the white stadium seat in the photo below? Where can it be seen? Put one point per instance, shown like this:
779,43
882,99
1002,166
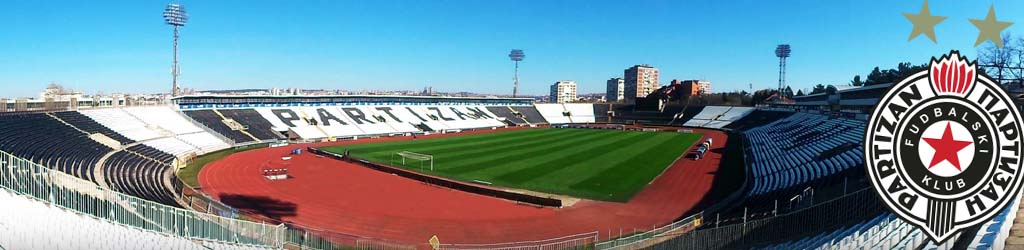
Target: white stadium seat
31,224
580,112
160,127
553,113
718,116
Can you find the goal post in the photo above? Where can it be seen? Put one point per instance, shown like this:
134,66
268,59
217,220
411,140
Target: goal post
408,157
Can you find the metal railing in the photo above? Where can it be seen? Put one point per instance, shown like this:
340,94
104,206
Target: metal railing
71,193
646,239
578,241
827,216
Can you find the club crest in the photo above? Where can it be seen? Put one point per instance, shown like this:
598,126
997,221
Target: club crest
943,146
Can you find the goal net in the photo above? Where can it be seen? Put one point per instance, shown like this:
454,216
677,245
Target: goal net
413,159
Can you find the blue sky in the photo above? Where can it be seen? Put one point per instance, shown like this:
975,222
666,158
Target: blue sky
123,46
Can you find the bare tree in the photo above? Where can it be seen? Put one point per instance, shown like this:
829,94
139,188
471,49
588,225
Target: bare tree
1018,50
1006,64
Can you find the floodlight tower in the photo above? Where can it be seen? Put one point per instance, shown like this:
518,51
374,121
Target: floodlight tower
516,55
782,51
175,15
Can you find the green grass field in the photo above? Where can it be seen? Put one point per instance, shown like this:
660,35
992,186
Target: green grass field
606,165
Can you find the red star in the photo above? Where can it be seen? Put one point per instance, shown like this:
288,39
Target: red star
946,148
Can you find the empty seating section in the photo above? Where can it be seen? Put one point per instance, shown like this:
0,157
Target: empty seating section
152,153
801,148
531,114
32,224
367,120
718,116
159,127
508,114
171,145
351,121
130,173
122,122
757,118
290,120
711,112
601,112
456,117
553,113
205,141
86,124
381,115
685,114
883,232
210,119
993,234
163,117
627,114
418,115
254,122
580,112
735,113
45,140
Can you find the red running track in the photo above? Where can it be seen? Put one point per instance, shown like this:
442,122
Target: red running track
350,199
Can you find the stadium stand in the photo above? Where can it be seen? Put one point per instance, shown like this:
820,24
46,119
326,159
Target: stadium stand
387,116
131,173
717,116
44,210
994,234
88,125
31,224
580,112
358,118
601,114
121,122
455,118
685,114
510,115
159,127
883,232
211,119
45,140
288,121
531,115
315,123
255,124
553,113
757,118
163,118
665,116
802,148
562,113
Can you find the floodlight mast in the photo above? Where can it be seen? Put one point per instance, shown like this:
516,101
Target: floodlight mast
175,15
516,55
782,51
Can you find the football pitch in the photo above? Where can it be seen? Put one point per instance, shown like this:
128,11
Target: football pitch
608,165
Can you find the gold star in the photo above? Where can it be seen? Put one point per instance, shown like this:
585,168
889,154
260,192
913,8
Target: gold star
989,28
924,23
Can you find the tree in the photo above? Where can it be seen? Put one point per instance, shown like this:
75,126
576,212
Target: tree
820,88
856,81
788,92
1004,64
875,77
760,96
879,76
800,92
